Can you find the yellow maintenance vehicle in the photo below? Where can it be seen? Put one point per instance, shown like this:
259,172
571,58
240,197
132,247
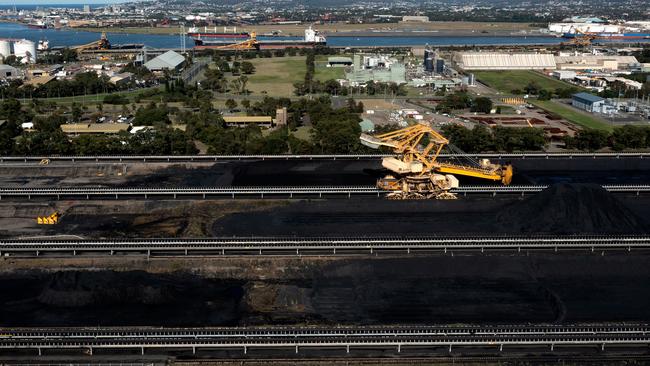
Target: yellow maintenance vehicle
418,174
53,219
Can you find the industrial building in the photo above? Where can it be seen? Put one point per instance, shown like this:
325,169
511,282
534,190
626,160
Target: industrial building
588,102
243,121
378,68
281,119
8,72
169,60
339,61
538,61
23,49
564,74
505,61
94,128
415,19
595,62
281,116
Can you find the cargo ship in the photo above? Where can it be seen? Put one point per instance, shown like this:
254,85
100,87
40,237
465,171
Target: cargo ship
37,24
606,35
208,34
601,30
312,39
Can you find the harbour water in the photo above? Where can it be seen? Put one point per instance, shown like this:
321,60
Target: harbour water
71,37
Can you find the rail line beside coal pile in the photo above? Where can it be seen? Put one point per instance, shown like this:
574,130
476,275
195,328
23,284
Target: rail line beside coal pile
265,192
293,340
213,158
291,246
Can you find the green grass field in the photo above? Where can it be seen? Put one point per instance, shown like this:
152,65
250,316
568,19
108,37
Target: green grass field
276,76
324,73
581,119
506,81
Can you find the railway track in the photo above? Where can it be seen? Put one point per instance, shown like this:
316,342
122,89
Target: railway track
290,246
295,338
212,158
265,192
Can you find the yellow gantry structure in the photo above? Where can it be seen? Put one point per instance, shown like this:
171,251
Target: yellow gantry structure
421,143
250,44
406,142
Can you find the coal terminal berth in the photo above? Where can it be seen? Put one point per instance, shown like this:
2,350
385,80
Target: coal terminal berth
312,39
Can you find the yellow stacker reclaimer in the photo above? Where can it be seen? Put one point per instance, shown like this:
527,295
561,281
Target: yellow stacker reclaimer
419,174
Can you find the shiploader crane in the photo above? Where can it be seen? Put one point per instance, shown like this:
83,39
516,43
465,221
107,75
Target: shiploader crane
418,173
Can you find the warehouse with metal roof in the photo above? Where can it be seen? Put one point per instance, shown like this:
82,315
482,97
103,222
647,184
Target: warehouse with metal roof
241,121
598,62
169,60
588,102
505,61
94,128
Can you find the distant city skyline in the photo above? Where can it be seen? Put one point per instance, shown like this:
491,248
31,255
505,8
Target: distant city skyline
59,2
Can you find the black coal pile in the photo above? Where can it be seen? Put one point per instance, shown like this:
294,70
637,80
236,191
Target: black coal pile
571,209
80,298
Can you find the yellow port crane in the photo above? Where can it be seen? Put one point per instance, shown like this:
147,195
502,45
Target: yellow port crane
418,172
250,44
581,39
102,44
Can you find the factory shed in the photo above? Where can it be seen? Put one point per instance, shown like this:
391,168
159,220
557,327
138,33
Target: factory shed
242,121
588,102
8,71
338,61
595,62
169,60
505,61
94,128
366,125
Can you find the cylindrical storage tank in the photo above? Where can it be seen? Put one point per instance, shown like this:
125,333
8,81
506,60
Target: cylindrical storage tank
428,65
5,48
25,49
472,80
440,66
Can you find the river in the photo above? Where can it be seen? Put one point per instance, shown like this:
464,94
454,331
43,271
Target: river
71,37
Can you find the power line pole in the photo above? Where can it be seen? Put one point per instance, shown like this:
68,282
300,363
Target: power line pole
183,38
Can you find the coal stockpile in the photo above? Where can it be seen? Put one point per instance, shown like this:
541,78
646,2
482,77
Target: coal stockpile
506,288
366,172
88,298
569,209
308,173
560,209
581,170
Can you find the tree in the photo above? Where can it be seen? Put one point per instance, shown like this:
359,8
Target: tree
231,104
243,80
532,88
482,105
77,113
247,67
544,95
588,139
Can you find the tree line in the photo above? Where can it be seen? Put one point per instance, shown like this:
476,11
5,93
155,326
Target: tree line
628,137
483,139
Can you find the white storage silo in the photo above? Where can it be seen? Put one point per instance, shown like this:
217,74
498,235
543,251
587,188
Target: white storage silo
5,48
25,49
